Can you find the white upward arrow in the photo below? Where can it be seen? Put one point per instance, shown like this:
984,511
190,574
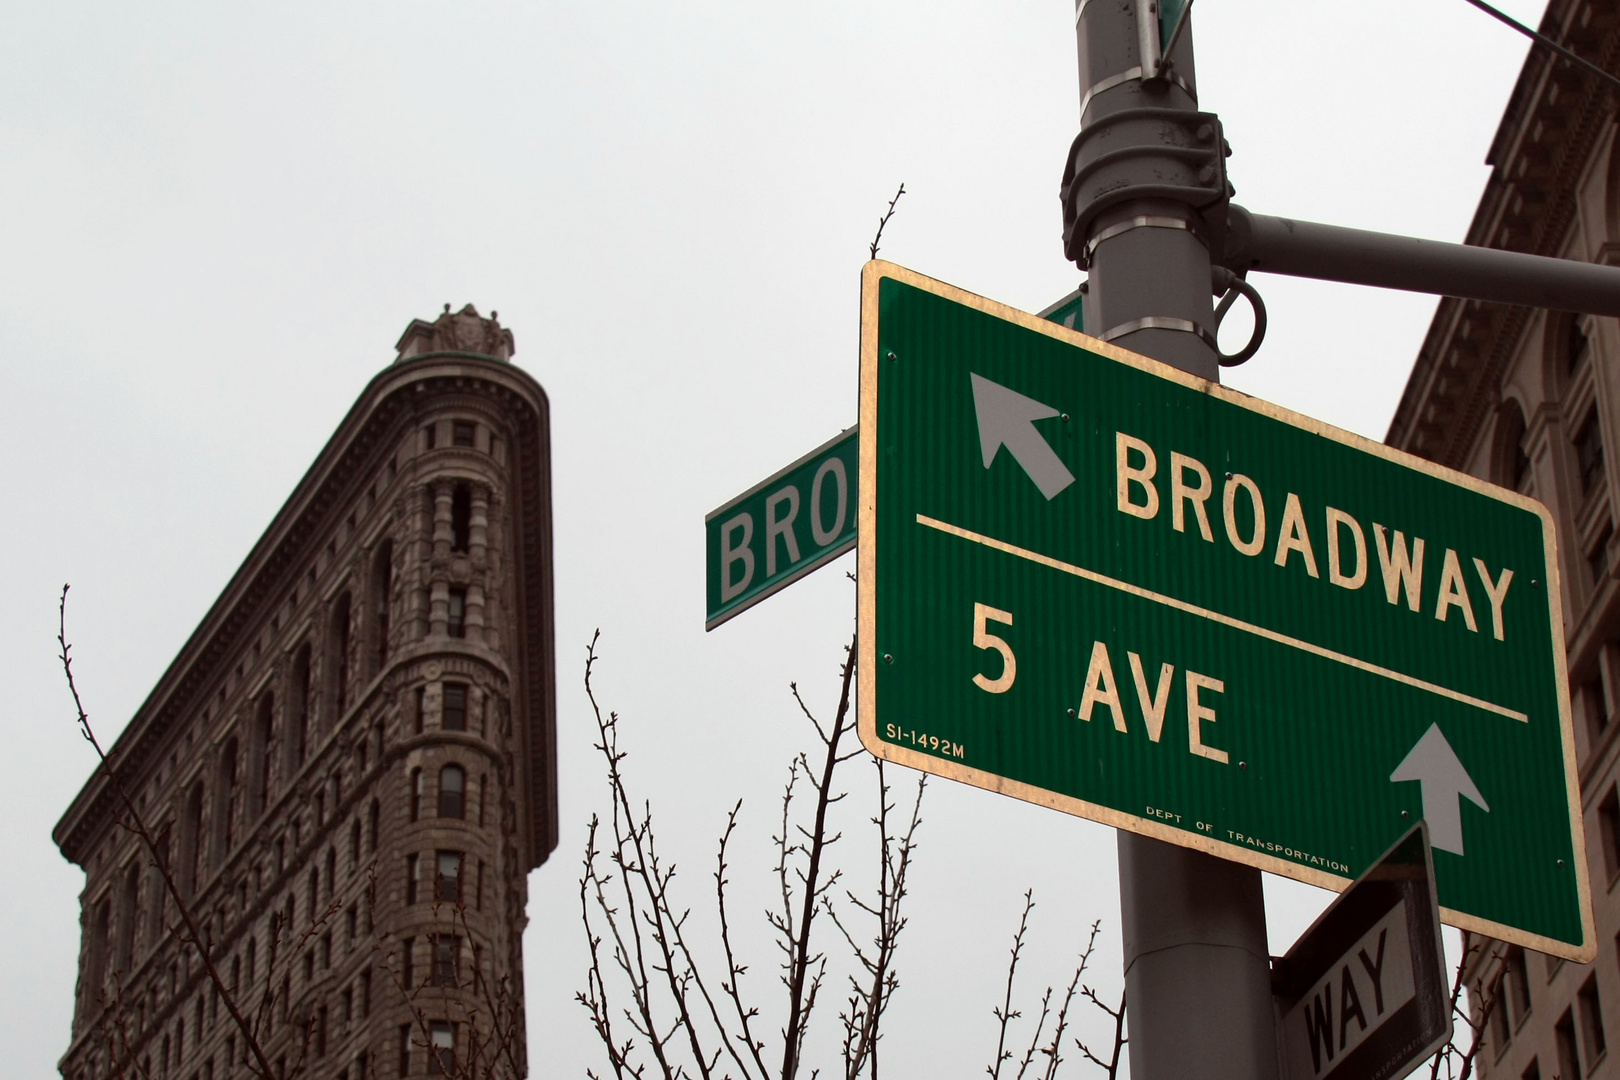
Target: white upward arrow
1434,764
1007,418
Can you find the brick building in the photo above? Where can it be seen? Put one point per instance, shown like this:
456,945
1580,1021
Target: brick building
350,766
1530,399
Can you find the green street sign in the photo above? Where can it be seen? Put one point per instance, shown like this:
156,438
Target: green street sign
1094,582
781,529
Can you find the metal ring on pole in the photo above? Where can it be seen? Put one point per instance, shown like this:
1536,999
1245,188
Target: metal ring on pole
1161,322
1141,221
1233,287
1135,73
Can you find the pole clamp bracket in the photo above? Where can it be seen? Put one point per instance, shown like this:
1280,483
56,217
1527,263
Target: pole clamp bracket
1146,152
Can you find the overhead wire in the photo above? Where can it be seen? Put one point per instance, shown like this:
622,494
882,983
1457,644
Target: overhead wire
1543,39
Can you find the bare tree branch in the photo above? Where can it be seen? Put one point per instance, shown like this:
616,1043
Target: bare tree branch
884,220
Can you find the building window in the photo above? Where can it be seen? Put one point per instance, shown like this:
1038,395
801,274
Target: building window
1532,1071
263,738
190,851
1589,451
461,432
371,827
448,878
446,950
354,846
430,436
416,794
1569,1054
1576,349
413,867
129,917
442,1056
1592,1040
1597,560
460,516
1596,706
421,707
405,1038
458,612
1518,471
454,717
382,587
339,653
232,796
1516,985
298,744
1501,1032
452,784
478,897
483,785
407,963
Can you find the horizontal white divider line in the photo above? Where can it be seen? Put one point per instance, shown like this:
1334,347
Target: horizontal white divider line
1224,620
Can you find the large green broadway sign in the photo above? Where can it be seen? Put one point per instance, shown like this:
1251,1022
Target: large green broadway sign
1096,583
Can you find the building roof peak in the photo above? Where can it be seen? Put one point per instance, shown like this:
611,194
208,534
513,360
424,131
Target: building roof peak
463,331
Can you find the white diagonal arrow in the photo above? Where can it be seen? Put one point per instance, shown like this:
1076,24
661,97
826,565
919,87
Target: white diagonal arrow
1434,764
1007,418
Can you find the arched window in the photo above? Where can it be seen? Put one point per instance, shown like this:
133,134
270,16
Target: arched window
298,709
338,655
263,735
314,892
416,794
452,791
382,584
331,871
371,829
354,846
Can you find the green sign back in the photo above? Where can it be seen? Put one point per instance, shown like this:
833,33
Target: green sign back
1097,583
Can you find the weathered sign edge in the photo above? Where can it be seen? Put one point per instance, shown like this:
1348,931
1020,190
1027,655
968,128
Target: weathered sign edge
872,273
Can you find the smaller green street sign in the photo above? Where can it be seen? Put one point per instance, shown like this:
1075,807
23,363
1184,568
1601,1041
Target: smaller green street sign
736,549
1097,583
781,529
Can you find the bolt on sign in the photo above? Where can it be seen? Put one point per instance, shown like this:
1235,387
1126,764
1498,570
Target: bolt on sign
781,529
1094,582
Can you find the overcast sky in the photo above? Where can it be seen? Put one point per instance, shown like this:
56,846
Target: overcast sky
215,221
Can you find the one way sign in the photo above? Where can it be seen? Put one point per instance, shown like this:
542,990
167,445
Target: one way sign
1362,995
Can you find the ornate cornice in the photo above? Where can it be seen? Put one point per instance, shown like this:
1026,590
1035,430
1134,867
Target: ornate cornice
1554,121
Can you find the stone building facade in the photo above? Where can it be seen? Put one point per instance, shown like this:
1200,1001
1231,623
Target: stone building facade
350,766
1530,399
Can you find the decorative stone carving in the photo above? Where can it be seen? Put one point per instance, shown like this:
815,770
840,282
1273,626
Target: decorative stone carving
464,331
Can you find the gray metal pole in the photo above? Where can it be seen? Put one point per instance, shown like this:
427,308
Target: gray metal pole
1277,245
1197,968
